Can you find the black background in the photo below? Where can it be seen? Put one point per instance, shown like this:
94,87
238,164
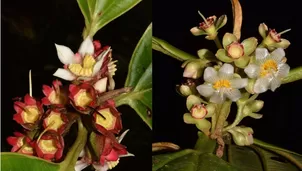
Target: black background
30,29
281,122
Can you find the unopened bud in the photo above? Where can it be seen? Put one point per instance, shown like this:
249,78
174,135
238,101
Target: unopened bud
256,105
242,135
194,69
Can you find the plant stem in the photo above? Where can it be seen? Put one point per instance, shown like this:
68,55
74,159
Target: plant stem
218,43
73,153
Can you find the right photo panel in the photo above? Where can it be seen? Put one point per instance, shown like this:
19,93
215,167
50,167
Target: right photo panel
226,86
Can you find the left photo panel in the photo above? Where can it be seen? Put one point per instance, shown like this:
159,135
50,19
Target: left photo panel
76,90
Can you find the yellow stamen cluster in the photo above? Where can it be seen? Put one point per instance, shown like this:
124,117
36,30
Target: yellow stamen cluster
85,69
222,83
47,146
54,121
82,98
112,164
267,67
31,114
54,98
107,123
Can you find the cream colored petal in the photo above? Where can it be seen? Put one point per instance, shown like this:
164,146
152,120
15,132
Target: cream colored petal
121,137
278,54
103,54
99,167
66,56
261,53
275,83
218,98
233,94
101,85
252,70
80,165
97,67
261,85
64,74
111,83
127,155
210,75
283,70
205,90
86,47
226,71
239,82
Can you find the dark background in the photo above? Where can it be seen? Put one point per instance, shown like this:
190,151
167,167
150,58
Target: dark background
30,29
281,122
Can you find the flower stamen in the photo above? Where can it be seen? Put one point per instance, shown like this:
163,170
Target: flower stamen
222,83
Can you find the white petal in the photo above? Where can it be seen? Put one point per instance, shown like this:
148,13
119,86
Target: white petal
127,155
205,90
261,85
226,71
278,54
82,153
99,167
66,56
283,70
86,47
275,83
111,83
80,165
64,74
233,94
239,82
97,67
101,85
261,53
121,137
218,98
210,75
252,70
103,54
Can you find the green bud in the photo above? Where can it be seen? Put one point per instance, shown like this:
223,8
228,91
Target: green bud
185,90
263,29
242,135
194,68
205,54
256,105
250,86
193,100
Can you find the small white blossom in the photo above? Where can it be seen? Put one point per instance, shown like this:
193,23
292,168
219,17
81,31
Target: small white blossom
268,69
221,85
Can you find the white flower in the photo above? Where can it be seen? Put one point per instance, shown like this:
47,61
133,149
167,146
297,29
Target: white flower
268,69
82,164
82,65
221,84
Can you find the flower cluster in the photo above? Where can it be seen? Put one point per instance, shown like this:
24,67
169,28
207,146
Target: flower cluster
47,121
237,70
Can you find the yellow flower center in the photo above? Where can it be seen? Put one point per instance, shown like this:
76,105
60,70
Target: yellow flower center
54,98
267,67
54,121
31,114
27,149
222,83
85,69
107,123
235,50
47,146
82,98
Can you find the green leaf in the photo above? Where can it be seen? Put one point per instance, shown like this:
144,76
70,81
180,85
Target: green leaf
294,75
166,48
263,157
140,79
190,160
98,13
18,162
